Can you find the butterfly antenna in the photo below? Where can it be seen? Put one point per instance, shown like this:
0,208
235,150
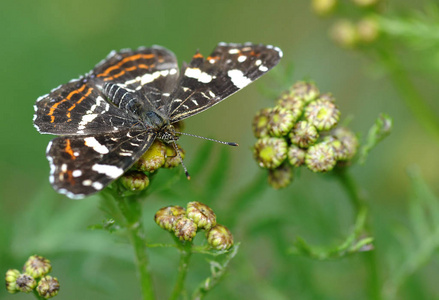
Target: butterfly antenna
181,160
205,138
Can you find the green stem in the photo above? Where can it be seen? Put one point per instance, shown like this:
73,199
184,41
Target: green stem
185,256
137,240
131,209
411,96
349,185
360,206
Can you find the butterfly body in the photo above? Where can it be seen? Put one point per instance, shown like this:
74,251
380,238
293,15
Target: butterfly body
108,118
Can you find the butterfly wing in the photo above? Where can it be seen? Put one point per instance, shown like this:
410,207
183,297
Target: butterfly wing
207,81
83,165
81,107
78,108
151,72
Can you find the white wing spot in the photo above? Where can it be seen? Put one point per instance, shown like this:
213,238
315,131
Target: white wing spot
85,120
197,74
87,182
263,68
195,101
234,51
77,173
211,94
97,185
242,58
258,62
110,171
93,143
238,78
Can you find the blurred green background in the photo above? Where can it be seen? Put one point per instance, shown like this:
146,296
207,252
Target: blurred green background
46,43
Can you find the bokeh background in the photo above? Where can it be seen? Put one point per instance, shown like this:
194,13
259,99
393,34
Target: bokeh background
46,43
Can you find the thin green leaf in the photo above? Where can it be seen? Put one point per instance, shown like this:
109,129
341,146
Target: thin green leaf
218,270
380,130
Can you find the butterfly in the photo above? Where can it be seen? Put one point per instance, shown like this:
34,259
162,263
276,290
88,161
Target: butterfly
108,118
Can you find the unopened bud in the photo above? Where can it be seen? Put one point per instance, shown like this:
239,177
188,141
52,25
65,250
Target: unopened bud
167,216
320,157
152,159
26,283
324,115
296,156
280,122
270,152
48,287
185,229
220,237
280,177
260,123
11,280
304,134
201,214
135,181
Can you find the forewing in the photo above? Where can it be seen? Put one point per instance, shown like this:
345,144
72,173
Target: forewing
83,165
207,81
152,72
78,108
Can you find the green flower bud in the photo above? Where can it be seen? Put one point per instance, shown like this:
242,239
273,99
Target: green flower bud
11,280
304,134
219,237
368,30
292,102
324,115
323,7
37,266
48,287
270,152
171,157
135,181
26,283
344,33
201,214
167,216
327,97
307,91
152,159
349,140
280,177
280,122
296,156
260,123
320,157
185,229
340,150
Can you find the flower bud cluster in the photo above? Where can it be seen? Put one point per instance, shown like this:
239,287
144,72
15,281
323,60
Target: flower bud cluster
33,277
348,33
301,130
159,155
185,223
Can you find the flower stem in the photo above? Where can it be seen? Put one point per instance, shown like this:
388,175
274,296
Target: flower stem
185,255
360,206
130,218
138,242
